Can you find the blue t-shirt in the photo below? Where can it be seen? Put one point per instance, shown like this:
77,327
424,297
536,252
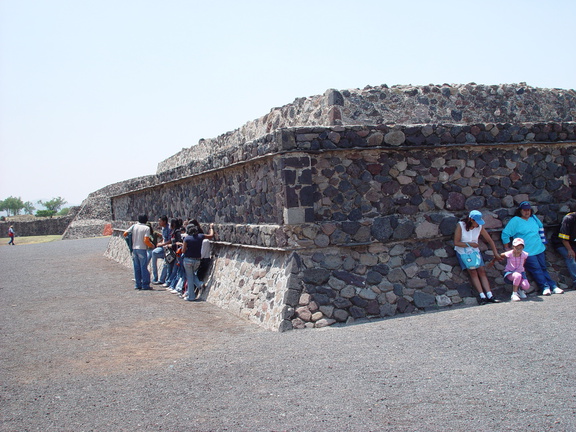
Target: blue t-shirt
193,246
166,233
527,230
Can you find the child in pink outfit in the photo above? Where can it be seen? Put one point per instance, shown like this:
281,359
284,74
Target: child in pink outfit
514,270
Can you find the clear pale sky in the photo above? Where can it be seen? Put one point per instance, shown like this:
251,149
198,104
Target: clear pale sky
96,92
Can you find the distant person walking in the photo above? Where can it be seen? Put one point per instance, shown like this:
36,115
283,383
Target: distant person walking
140,244
11,234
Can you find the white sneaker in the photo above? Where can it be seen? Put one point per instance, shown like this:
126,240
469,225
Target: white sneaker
515,297
522,294
558,290
547,292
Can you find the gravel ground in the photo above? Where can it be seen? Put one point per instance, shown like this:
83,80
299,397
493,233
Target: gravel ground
80,350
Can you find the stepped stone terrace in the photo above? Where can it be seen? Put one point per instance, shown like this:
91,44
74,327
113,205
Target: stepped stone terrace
341,207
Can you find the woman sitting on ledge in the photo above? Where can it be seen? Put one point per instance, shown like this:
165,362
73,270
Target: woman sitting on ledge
527,226
466,238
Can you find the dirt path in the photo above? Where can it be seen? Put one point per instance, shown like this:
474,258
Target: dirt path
94,322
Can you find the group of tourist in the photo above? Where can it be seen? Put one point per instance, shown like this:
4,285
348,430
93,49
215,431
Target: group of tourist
525,242
182,245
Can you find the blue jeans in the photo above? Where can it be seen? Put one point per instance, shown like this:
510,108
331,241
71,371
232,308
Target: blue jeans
141,273
173,272
177,273
166,276
191,266
570,262
536,266
157,253
166,269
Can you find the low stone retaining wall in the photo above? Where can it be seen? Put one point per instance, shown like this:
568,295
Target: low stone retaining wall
254,284
249,282
380,280
117,249
48,226
282,289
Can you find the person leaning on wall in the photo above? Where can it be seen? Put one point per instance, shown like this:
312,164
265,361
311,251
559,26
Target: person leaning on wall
564,241
527,226
140,244
192,252
158,252
177,276
466,236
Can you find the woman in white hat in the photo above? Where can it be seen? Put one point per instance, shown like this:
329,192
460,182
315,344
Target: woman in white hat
466,236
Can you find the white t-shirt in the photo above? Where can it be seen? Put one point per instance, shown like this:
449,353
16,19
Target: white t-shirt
468,237
206,249
139,231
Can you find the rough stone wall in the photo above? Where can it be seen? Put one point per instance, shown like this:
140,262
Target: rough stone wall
401,104
381,243
117,249
261,279
460,104
250,187
359,217
464,104
401,194
248,193
348,284
252,283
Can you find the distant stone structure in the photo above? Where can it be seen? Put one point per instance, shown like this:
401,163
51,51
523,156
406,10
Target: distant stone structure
342,206
96,210
56,225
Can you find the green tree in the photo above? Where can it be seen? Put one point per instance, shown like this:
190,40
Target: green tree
29,207
45,213
12,205
64,211
53,205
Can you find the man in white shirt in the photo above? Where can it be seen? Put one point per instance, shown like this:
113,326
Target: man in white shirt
141,242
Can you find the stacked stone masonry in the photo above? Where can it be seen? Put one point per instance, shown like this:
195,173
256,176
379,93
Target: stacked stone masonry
40,227
402,104
325,225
